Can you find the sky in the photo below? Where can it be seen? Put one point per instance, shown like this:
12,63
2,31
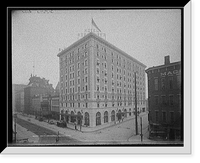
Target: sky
146,34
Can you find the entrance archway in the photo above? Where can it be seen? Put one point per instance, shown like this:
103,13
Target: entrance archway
87,119
105,117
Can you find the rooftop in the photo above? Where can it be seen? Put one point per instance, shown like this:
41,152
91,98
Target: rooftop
166,64
93,35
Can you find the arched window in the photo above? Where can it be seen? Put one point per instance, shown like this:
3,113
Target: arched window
113,115
105,117
87,119
98,118
79,118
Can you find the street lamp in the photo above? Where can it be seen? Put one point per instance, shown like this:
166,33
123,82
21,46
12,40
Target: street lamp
136,125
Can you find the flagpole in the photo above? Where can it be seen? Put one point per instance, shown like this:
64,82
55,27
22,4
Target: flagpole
91,24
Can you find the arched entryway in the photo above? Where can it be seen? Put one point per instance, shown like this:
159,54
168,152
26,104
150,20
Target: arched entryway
105,117
98,118
113,115
119,115
87,119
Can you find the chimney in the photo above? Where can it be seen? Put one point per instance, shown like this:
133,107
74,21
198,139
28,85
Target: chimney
167,60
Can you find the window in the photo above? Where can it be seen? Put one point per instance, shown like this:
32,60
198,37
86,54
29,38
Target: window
97,96
156,116
156,83
86,70
171,117
97,70
98,79
163,99
170,82
98,63
171,99
163,83
156,100
164,118
178,81
97,87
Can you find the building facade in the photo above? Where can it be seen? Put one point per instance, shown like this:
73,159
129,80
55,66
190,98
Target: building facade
37,86
164,99
18,97
55,107
97,82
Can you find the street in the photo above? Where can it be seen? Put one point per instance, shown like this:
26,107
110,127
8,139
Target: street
121,133
45,135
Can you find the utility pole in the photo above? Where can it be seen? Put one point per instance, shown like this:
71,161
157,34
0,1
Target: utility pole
15,128
136,124
141,129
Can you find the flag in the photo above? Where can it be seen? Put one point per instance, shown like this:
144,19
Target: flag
94,24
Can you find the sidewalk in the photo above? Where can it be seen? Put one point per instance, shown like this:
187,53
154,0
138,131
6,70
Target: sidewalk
136,139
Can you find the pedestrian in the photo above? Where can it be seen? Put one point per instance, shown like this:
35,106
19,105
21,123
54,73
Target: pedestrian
75,125
57,137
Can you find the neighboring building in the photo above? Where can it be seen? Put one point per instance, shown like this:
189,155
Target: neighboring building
164,99
46,106
18,97
36,105
37,86
97,82
55,109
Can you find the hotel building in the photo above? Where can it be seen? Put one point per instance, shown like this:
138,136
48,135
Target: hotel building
97,82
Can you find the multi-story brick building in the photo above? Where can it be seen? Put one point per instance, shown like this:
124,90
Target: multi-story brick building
164,99
97,82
